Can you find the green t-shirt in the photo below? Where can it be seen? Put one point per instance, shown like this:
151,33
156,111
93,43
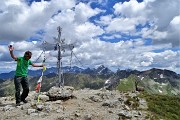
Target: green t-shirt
22,66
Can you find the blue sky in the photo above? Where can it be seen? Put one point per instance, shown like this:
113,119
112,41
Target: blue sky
116,33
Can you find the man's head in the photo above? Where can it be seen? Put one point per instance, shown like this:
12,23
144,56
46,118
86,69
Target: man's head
27,55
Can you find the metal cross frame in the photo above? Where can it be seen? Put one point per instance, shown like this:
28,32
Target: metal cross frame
61,46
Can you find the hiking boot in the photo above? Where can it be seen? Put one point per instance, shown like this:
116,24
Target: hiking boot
18,104
24,101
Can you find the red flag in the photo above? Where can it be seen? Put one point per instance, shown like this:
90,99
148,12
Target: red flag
38,86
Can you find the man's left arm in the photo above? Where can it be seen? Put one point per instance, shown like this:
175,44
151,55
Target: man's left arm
35,65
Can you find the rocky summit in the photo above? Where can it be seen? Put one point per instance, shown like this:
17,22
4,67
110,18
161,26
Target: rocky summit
70,104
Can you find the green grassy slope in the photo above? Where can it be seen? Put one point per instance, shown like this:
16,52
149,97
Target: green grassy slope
163,106
150,86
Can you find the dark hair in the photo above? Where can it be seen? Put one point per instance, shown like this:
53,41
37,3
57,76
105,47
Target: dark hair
28,53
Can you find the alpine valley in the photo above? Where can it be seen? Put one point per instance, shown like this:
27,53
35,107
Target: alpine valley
154,81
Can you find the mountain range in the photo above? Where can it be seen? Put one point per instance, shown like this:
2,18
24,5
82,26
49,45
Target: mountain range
159,100
154,80
101,70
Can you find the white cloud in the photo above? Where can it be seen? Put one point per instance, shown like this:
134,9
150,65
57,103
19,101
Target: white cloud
103,2
87,31
122,25
104,20
166,60
62,4
21,21
65,20
160,13
13,2
7,66
84,12
112,36
23,45
159,35
130,9
176,21
3,48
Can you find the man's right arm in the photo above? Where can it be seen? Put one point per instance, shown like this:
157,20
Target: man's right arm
11,53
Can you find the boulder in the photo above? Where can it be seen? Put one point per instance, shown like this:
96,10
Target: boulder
57,93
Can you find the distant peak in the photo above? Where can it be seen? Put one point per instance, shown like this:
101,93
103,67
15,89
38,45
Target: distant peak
101,66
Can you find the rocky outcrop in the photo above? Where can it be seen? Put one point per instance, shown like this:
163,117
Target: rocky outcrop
85,104
56,93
